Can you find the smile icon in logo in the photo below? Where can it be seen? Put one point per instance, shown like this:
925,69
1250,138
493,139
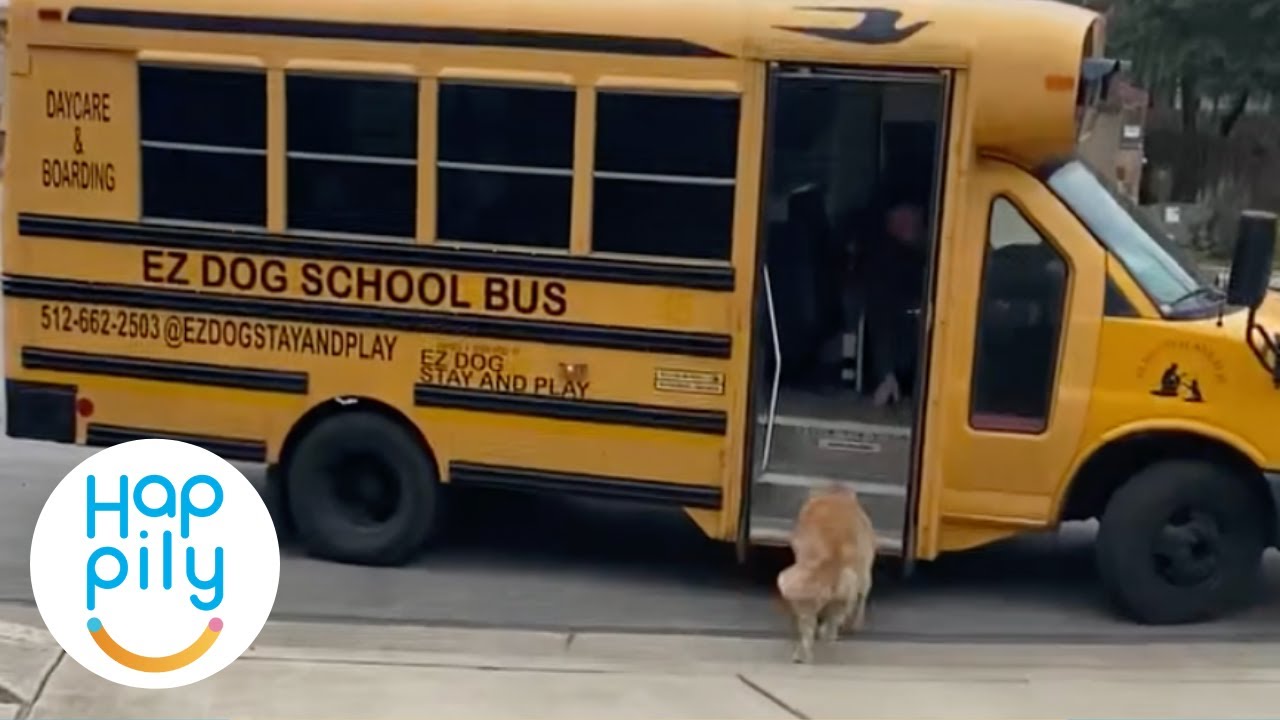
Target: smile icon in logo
148,663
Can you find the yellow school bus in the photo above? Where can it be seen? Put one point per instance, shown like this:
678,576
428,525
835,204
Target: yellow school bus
689,253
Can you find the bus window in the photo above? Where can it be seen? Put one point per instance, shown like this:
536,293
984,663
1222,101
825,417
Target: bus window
204,145
1166,272
353,155
664,175
505,168
1024,283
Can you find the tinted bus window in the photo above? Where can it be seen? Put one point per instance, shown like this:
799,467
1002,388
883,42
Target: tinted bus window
664,175
505,168
204,145
353,155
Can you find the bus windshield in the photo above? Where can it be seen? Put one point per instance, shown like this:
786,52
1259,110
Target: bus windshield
1166,273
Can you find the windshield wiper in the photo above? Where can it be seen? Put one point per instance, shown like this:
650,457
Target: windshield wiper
1202,291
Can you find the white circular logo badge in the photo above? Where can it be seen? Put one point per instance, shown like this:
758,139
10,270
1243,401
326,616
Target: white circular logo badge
155,564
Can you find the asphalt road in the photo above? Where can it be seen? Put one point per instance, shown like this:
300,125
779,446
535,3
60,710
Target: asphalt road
542,563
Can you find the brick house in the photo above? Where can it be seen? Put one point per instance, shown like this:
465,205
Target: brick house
1116,146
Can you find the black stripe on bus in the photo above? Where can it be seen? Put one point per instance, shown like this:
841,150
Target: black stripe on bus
387,33
124,366
693,344
628,272
98,435
708,422
598,486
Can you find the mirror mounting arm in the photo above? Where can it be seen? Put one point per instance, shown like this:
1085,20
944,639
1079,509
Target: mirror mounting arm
1275,364
1250,281
1265,347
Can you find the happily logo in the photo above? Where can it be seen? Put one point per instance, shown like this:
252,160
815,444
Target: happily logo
155,564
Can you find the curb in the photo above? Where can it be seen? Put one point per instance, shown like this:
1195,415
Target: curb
328,644
613,652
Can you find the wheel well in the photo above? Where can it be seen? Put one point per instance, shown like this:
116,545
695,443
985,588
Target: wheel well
332,407
1113,464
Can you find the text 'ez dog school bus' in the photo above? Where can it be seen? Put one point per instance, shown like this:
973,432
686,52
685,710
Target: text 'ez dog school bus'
620,249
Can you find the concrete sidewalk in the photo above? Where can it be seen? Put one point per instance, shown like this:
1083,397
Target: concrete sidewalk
315,670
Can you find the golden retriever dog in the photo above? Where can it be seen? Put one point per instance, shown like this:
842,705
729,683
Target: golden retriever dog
826,588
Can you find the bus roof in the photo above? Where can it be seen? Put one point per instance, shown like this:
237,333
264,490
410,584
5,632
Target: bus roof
1024,56
908,32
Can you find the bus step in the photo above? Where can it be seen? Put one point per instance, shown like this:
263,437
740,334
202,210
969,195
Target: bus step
776,499
784,479
876,454
776,532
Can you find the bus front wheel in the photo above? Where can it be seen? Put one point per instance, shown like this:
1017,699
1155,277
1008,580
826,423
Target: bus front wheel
362,489
1180,542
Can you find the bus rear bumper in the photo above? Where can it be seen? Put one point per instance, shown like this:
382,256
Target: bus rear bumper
40,411
1273,484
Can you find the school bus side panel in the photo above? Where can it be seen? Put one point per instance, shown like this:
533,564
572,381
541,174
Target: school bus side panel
150,321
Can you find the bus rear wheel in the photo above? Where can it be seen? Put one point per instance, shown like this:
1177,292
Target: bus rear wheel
1180,542
362,489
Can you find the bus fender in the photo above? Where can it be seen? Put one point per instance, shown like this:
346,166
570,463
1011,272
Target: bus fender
1134,431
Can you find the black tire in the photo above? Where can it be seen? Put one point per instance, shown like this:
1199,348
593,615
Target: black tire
1180,542
363,453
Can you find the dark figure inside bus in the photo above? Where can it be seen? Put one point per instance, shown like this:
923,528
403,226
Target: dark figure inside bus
889,275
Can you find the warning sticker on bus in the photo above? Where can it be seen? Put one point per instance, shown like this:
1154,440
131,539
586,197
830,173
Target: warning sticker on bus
688,382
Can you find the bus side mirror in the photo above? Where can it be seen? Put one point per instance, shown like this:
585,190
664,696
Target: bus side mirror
1251,263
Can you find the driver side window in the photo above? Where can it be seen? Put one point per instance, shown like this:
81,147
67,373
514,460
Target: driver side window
1024,284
